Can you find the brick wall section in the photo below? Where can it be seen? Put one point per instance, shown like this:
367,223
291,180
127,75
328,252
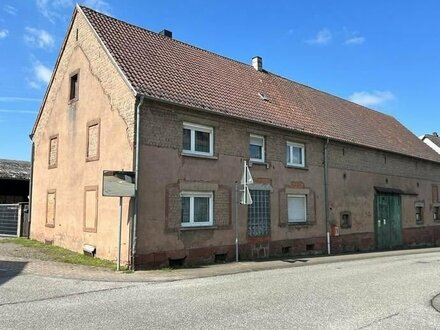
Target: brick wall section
353,173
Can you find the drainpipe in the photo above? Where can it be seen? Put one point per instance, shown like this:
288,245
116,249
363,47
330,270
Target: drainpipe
136,185
326,195
31,180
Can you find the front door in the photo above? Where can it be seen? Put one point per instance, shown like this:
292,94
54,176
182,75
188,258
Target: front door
387,223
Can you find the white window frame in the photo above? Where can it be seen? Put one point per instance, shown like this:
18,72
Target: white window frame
191,195
290,149
304,197
263,151
200,128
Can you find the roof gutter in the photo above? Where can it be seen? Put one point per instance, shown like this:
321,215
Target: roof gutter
136,198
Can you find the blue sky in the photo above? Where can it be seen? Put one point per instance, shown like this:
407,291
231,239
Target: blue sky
382,54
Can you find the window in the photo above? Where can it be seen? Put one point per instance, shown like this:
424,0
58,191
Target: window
297,208
436,212
74,86
197,209
259,213
53,151
93,132
198,140
256,148
345,219
295,154
419,214
50,208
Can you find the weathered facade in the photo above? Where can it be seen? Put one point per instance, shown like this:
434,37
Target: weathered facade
320,164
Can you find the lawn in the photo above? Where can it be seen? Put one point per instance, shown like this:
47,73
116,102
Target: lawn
56,253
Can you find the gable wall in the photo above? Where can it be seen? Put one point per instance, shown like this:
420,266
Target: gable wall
103,97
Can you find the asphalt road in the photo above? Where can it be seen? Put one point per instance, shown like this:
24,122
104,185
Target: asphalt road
380,293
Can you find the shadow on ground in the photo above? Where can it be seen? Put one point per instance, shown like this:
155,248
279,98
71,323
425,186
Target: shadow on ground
10,269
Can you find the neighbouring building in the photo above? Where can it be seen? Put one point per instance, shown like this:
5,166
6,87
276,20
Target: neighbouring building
432,140
14,181
185,119
14,197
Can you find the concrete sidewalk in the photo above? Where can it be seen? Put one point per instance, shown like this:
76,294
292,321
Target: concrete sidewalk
14,265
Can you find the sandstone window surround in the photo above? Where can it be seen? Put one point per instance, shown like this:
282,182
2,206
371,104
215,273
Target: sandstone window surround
90,221
50,208
257,148
419,208
295,154
53,151
197,208
197,140
93,140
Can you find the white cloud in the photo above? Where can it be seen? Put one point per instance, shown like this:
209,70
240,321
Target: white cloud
38,38
371,98
18,99
323,37
98,5
52,9
354,40
10,10
41,75
4,33
17,111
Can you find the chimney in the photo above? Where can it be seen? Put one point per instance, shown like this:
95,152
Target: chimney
166,33
257,63
435,134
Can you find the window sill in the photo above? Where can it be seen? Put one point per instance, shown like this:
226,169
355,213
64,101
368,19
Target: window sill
52,166
300,224
71,101
91,159
298,167
187,154
189,228
48,225
420,223
258,163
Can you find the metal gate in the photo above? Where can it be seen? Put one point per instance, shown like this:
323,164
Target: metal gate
9,219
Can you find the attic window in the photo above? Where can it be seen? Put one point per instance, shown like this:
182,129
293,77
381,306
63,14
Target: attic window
263,96
74,86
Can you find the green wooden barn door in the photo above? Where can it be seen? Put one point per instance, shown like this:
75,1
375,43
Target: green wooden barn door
388,224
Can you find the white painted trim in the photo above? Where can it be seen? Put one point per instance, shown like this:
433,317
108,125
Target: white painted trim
432,145
191,195
297,145
263,151
200,128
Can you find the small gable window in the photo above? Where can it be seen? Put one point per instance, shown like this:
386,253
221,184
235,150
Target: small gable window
295,154
53,151
198,139
74,87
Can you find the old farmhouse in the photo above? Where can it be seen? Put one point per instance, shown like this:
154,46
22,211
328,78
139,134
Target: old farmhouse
185,119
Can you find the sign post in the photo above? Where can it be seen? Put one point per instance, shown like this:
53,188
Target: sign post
118,184
246,199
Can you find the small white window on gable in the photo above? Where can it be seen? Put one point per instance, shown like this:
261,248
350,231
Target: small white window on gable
295,154
256,148
198,139
297,208
197,209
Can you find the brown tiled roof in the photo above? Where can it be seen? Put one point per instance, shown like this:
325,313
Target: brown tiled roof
15,169
169,70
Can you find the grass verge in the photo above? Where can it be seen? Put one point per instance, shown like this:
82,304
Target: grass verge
59,254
